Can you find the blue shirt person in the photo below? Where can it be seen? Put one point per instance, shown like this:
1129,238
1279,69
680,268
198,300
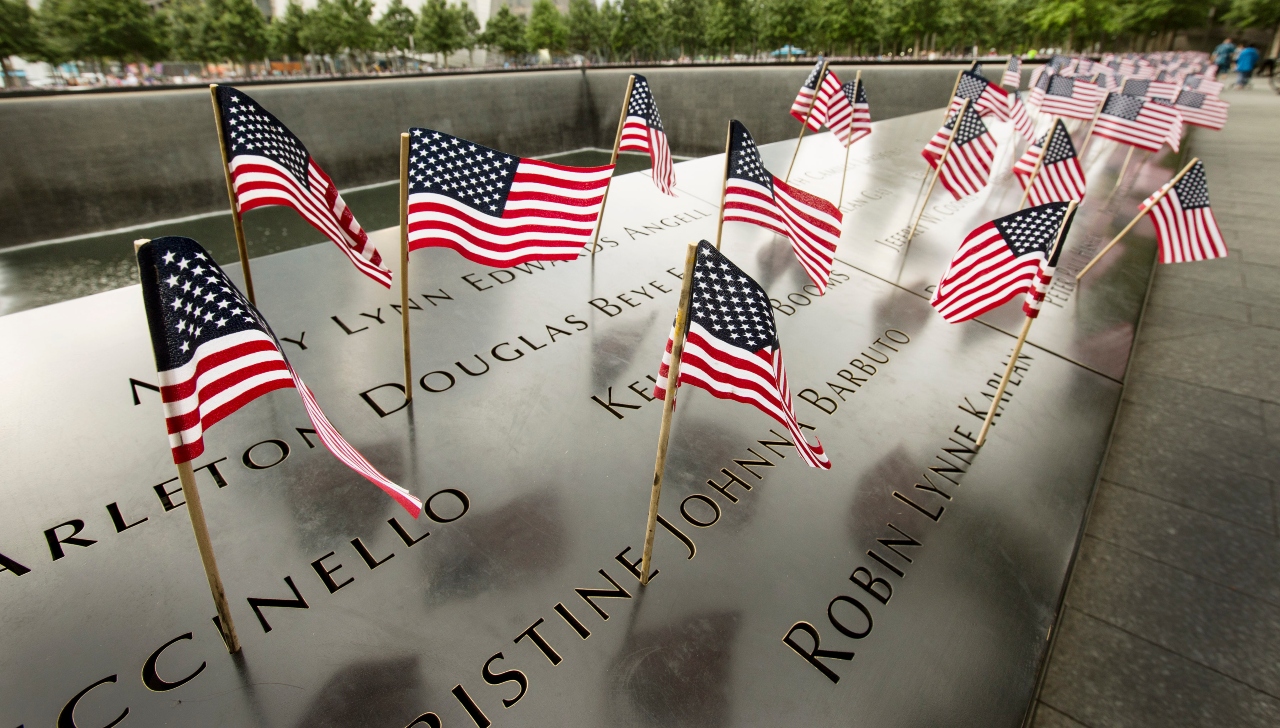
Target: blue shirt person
1246,62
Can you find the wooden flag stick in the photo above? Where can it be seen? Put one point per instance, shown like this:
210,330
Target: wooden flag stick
1123,168
187,477
1053,128
805,124
1159,195
404,263
938,173
1022,337
241,248
1097,112
724,188
617,142
668,406
844,171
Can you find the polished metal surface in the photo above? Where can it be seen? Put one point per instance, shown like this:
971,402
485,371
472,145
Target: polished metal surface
547,431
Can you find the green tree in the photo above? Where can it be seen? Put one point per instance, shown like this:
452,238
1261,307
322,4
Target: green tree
1257,14
911,22
17,34
470,30
236,30
785,22
287,32
547,28
731,26
844,25
337,26
688,25
440,30
583,25
186,24
606,29
505,34
121,30
641,30
1073,21
396,27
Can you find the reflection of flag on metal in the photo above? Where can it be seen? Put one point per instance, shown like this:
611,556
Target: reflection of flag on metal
753,195
1060,178
270,166
858,124
216,354
498,209
732,349
810,94
642,132
967,168
1185,224
1136,121
1202,110
999,260
1012,73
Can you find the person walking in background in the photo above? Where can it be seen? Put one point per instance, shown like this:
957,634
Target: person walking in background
1246,61
1222,56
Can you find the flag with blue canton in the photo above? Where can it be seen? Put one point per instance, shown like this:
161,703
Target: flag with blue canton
642,132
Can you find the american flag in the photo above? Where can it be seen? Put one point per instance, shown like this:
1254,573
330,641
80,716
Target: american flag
1012,73
810,94
642,132
1000,259
1038,73
967,167
837,111
732,349
1137,122
1060,178
849,115
1197,82
1021,119
1074,98
1201,110
1185,225
270,166
1106,81
215,354
753,195
987,98
1174,137
498,209
1164,87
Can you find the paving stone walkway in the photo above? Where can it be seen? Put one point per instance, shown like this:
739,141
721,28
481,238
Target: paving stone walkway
1173,613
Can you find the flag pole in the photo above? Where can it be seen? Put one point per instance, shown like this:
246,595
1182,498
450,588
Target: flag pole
1096,113
1022,337
1053,129
938,173
404,264
241,248
844,171
805,124
617,142
187,477
1158,196
668,407
1124,167
724,188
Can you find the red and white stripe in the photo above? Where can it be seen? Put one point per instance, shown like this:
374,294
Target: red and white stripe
994,101
1163,90
1212,113
550,214
967,167
1012,74
1184,235
1081,104
1207,86
729,372
1021,119
809,97
260,182
638,136
1058,182
837,112
227,373
810,222
1155,125
984,274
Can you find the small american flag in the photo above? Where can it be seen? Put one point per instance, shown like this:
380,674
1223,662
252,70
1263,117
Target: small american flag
1137,122
1163,86
848,114
1202,110
987,98
498,209
270,166
1174,137
1021,119
1074,98
732,349
1060,178
837,111
642,132
1012,73
967,167
1197,82
810,95
215,354
753,195
1185,225
1106,80
1000,259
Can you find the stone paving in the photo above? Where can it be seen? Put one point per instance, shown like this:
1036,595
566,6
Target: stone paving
1172,617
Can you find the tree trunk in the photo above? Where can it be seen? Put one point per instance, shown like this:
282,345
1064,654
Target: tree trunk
915,49
1275,45
4,69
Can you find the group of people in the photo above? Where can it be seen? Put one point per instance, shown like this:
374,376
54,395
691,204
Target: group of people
1247,60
